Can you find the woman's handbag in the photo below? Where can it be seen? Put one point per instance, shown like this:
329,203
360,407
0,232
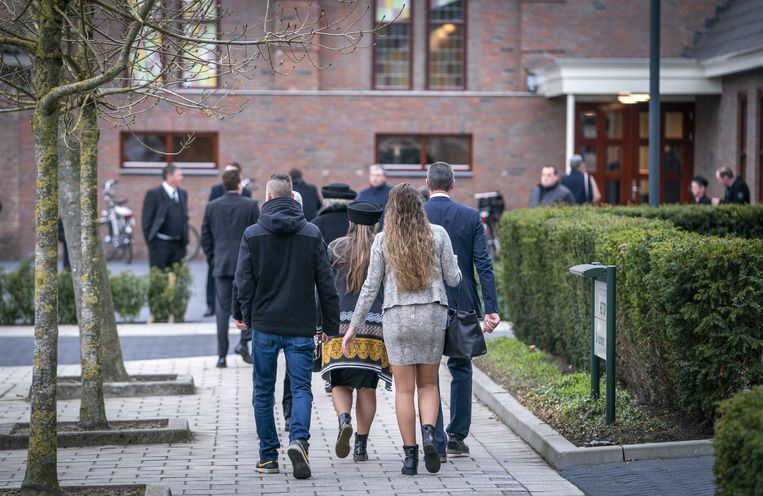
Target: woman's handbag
463,334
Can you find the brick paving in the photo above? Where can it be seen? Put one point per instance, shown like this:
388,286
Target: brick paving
222,456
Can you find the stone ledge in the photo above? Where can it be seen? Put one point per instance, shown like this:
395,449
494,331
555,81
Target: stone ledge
558,451
69,387
105,490
176,431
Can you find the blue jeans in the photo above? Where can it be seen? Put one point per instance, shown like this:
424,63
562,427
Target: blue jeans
298,351
460,403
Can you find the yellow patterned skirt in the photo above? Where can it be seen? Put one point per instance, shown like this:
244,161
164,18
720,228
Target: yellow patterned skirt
366,364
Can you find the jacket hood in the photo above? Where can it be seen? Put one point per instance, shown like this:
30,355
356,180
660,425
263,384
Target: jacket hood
282,216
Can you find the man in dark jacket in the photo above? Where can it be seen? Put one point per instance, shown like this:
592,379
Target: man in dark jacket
378,191
282,263
581,183
736,189
467,236
550,191
165,220
311,201
216,192
225,221
332,219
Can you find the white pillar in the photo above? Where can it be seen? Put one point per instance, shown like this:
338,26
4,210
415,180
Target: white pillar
569,149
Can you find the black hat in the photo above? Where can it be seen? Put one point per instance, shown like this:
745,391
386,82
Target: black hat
338,191
364,213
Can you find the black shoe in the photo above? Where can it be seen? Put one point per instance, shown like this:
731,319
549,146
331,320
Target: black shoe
360,453
342,447
243,350
286,422
210,312
443,458
431,456
298,455
267,467
221,363
457,446
411,462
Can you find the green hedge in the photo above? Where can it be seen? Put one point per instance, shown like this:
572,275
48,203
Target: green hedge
169,292
67,307
689,306
129,293
738,445
745,221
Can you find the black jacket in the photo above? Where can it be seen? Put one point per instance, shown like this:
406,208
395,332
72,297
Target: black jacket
225,221
218,190
311,201
155,212
282,261
738,192
333,222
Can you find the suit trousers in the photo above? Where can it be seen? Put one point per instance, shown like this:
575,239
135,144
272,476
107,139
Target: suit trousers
210,283
223,309
163,253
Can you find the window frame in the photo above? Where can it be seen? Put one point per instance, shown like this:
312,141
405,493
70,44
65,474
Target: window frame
741,152
465,24
409,5
168,137
407,170
760,145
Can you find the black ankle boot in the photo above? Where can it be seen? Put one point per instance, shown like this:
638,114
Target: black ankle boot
431,456
360,454
342,447
411,462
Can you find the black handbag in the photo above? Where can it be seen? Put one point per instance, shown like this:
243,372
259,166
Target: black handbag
317,354
463,334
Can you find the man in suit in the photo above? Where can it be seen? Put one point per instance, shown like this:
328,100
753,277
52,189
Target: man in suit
311,200
470,246
225,221
216,192
165,220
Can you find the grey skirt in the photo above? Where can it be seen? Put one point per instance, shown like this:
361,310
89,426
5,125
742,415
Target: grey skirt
415,334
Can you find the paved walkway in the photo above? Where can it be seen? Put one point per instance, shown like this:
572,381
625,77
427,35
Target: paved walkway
221,458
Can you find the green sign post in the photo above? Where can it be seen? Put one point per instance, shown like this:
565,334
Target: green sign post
603,291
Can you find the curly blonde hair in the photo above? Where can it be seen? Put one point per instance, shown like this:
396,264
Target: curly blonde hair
408,241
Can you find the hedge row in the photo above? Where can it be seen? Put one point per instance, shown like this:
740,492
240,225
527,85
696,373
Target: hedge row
738,445
689,306
130,293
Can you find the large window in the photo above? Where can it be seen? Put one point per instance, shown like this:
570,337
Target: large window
199,20
446,59
412,153
392,45
742,136
760,146
149,150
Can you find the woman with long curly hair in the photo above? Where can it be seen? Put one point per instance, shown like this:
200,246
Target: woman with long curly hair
362,369
411,258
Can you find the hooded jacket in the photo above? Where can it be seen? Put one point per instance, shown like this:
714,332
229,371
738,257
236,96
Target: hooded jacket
282,262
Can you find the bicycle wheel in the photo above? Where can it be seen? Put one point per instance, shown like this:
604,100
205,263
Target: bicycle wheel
194,244
111,249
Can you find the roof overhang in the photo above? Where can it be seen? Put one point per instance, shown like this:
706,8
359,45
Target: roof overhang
733,63
615,76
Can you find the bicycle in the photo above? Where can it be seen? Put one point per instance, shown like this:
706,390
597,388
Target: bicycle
491,206
116,225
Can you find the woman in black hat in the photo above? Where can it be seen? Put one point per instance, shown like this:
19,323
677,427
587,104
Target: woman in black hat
361,369
332,219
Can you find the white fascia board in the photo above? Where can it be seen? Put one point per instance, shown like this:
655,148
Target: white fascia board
732,64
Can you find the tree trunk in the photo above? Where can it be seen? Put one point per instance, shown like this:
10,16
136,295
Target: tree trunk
68,204
41,473
113,364
92,411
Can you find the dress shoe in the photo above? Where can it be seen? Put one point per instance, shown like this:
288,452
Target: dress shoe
221,363
210,312
411,462
342,447
431,456
243,350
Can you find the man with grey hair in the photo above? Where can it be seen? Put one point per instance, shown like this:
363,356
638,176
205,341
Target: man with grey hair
282,263
581,183
467,236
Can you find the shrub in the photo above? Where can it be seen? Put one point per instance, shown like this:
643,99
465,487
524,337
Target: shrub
21,292
129,293
738,445
67,308
169,292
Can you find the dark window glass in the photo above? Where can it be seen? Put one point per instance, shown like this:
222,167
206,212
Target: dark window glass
144,148
673,158
451,149
447,45
392,49
414,153
672,191
400,150
612,191
199,149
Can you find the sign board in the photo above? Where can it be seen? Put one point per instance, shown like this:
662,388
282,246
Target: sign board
600,319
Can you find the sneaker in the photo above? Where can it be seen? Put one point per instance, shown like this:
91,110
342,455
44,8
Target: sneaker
267,467
298,455
457,446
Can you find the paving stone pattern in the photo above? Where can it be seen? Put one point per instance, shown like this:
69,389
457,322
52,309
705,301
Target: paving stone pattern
223,454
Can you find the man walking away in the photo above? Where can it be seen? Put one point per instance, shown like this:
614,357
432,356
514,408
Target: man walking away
225,221
165,220
311,201
550,191
467,236
736,189
216,192
581,183
282,262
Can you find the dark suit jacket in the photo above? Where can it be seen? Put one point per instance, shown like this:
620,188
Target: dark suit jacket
468,239
155,211
218,190
225,221
311,200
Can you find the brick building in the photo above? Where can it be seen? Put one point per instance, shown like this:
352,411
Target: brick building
496,87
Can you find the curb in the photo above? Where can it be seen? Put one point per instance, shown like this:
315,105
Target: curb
176,431
558,451
69,387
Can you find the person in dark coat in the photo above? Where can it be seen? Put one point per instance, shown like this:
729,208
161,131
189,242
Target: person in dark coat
581,183
282,263
225,221
467,235
165,220
311,200
332,219
216,192
378,191
550,191
737,191
698,190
